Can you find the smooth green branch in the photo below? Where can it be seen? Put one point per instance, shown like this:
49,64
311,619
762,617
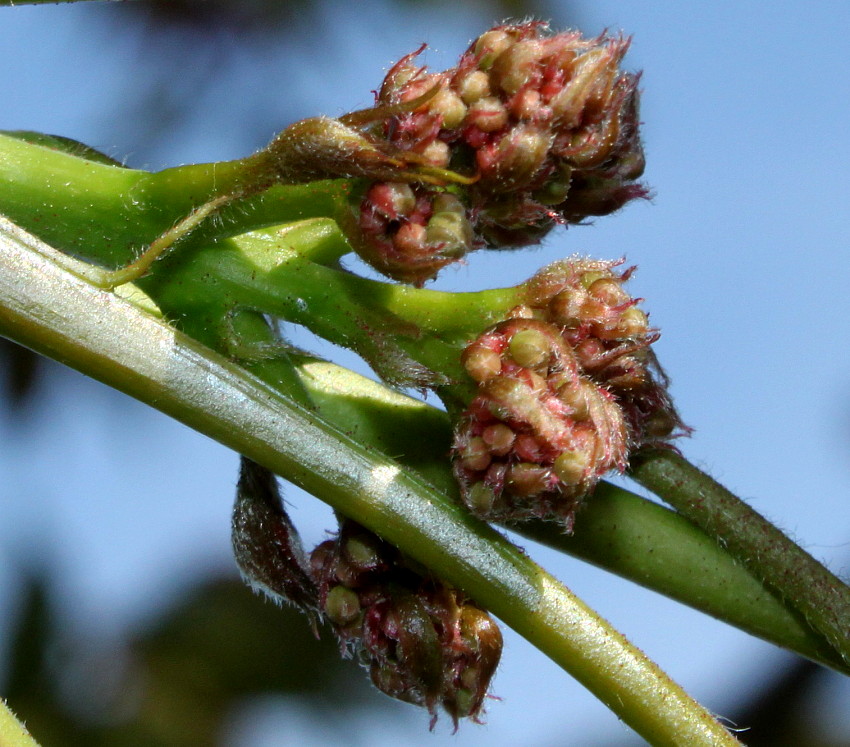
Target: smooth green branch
61,315
97,210
821,597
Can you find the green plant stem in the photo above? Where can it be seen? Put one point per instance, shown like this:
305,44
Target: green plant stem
821,597
12,732
659,549
102,211
106,214
616,530
59,314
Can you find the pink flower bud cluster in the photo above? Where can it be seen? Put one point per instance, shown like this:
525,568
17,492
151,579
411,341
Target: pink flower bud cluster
566,387
545,127
423,641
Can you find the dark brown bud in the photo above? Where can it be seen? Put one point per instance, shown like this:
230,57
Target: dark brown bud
422,641
266,545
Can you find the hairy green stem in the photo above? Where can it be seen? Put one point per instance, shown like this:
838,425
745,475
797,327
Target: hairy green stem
820,596
61,315
12,732
657,548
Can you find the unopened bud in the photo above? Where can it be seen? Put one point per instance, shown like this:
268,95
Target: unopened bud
474,86
515,158
526,479
342,606
571,467
481,363
480,498
519,65
499,438
475,455
490,45
530,348
487,114
450,107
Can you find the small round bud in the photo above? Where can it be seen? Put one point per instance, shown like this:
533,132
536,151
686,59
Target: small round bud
475,455
526,479
565,308
515,158
474,86
342,606
391,199
481,363
362,551
527,105
487,114
450,232
518,65
499,438
480,499
555,191
490,45
632,323
448,105
411,239
608,291
530,348
571,467
437,154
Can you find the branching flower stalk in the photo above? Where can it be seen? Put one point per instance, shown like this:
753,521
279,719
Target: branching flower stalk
549,384
62,315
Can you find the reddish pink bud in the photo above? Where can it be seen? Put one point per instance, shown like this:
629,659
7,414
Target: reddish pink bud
540,434
543,128
422,641
567,385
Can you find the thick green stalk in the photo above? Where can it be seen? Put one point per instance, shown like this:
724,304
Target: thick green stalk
106,214
61,315
821,597
659,549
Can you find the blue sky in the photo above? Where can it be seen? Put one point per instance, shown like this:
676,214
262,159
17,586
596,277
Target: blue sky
743,262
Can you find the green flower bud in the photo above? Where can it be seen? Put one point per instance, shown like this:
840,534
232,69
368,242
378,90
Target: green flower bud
530,348
342,606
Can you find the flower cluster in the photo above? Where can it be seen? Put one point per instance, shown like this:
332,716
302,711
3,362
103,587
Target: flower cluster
543,126
566,387
422,641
